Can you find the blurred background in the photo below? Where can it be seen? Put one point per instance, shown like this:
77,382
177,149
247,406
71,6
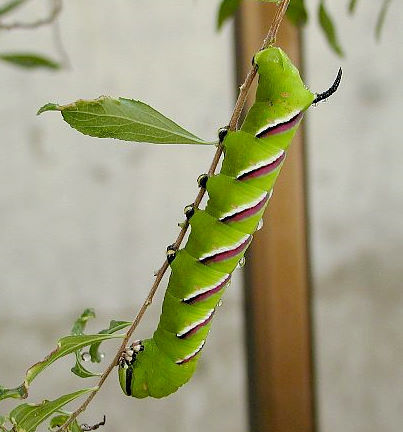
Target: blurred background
85,222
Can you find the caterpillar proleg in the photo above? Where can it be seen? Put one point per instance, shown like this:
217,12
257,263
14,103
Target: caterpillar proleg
220,233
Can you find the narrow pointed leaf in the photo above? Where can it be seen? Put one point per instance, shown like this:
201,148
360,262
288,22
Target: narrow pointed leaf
27,417
10,6
65,346
226,10
78,329
297,12
329,29
352,5
381,18
29,61
81,322
123,119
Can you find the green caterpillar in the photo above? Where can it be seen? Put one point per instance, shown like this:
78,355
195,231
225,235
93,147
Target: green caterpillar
221,233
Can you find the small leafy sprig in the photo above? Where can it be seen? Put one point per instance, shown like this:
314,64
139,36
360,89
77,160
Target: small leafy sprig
298,14
27,417
24,59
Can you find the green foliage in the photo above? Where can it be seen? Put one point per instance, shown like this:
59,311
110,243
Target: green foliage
27,417
10,6
327,25
68,345
297,13
65,346
352,5
226,10
78,329
123,119
29,61
60,419
93,354
3,421
26,60
81,322
381,18
114,326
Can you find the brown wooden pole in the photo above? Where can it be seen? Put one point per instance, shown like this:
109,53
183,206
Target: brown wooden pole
277,274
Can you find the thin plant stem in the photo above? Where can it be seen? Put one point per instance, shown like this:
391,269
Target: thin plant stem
243,92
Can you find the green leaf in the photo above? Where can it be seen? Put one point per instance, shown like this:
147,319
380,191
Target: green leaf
27,417
3,421
226,10
297,12
123,119
15,393
114,326
79,370
381,18
352,5
94,355
78,329
81,322
75,427
10,6
48,107
328,28
29,61
59,420
65,346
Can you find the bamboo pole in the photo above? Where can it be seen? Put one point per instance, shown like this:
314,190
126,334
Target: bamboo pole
277,292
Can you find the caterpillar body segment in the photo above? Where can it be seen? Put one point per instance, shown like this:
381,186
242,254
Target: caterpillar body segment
221,233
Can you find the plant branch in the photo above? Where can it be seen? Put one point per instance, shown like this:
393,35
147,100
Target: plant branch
53,14
243,92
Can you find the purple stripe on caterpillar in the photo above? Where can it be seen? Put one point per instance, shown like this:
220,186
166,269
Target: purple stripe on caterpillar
204,293
284,126
224,254
262,169
196,326
244,213
191,355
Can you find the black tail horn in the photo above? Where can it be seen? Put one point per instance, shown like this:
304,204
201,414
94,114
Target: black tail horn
331,90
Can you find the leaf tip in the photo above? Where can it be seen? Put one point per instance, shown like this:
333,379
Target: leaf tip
49,107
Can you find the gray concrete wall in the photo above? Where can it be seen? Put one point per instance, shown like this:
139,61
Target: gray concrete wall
355,168
85,222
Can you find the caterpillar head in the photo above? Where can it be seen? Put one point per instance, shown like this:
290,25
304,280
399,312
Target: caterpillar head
128,363
279,81
151,372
